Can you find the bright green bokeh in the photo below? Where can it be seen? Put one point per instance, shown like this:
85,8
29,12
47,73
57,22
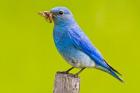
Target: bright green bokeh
29,59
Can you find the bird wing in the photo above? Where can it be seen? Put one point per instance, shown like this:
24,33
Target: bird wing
81,42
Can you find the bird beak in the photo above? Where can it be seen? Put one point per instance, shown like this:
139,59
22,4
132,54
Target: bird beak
47,15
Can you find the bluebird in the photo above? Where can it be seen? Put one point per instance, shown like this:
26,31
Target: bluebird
73,45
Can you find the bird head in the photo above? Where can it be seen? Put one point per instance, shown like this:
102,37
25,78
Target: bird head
58,15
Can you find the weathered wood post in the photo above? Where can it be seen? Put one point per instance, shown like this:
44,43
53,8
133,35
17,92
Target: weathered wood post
66,83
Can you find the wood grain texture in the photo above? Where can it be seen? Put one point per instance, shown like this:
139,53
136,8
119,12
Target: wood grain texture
66,83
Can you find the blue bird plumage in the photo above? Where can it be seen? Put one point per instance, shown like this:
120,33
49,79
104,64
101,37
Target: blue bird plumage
74,45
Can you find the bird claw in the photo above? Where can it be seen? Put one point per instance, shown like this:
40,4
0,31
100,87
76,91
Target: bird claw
63,72
76,75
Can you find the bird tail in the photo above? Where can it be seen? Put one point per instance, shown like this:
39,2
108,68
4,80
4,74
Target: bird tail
115,74
111,71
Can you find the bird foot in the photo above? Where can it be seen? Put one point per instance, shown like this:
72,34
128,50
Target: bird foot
76,75
63,72
70,74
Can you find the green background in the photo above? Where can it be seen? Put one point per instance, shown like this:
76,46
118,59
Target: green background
29,59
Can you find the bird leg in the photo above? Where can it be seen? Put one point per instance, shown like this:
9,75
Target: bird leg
69,70
76,75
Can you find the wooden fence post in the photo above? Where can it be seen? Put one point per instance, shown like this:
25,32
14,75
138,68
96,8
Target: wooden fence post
66,83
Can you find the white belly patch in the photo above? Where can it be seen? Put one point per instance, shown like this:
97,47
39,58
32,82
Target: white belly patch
79,59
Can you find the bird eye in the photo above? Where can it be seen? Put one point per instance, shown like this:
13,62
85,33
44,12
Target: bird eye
61,12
